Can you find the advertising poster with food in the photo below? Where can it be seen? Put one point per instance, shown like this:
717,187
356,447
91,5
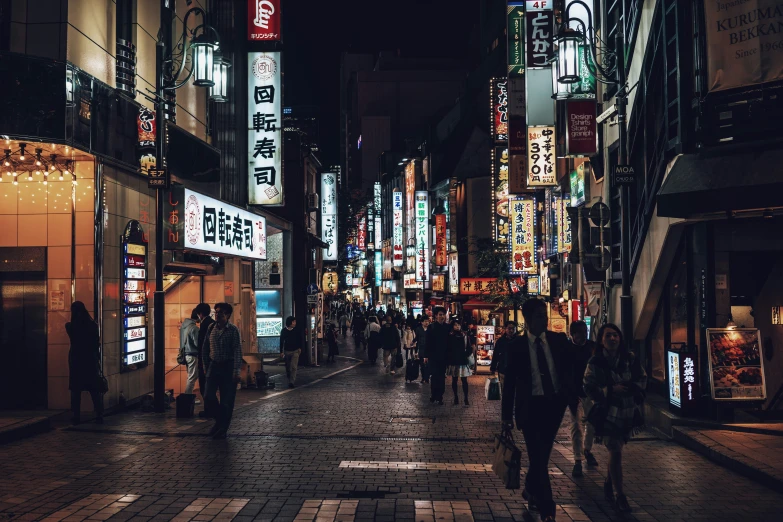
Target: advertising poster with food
736,364
485,343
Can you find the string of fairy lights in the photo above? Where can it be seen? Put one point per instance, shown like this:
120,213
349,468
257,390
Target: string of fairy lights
29,161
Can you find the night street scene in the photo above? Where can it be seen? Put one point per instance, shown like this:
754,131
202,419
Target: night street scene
421,260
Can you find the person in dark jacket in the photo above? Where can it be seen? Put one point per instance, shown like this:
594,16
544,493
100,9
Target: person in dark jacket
459,349
538,386
188,342
357,327
435,354
390,337
84,361
331,341
203,312
582,349
500,351
421,346
291,344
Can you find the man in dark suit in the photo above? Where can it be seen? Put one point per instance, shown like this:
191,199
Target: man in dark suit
203,311
538,386
435,353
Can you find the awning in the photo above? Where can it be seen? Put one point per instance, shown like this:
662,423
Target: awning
737,177
478,303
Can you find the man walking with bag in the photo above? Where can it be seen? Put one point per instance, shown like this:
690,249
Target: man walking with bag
537,389
437,346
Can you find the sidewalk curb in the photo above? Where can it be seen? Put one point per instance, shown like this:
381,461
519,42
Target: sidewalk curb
24,429
723,456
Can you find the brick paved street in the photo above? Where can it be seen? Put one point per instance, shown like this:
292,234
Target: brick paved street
355,445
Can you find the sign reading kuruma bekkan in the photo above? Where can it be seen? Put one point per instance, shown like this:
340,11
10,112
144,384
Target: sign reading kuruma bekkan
265,126
744,42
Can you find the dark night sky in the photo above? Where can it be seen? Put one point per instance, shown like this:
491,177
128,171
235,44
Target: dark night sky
316,32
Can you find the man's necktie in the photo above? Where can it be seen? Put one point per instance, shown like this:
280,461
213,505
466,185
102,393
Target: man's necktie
543,368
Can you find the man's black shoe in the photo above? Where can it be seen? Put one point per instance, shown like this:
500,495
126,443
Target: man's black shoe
577,471
531,502
456,400
590,458
432,399
291,385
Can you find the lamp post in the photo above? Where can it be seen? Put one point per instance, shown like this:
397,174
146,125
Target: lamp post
201,48
569,40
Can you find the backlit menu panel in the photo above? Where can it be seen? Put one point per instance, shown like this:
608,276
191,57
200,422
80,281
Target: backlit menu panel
134,298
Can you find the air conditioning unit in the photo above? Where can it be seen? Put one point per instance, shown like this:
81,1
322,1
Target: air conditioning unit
312,201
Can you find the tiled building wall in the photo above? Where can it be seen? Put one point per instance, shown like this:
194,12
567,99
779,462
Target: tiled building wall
125,197
34,214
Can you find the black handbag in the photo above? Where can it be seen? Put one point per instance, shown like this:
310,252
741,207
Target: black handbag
398,361
507,460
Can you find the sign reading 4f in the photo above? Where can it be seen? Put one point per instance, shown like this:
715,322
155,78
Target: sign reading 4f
265,137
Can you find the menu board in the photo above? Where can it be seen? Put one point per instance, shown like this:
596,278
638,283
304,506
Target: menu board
736,364
134,298
485,344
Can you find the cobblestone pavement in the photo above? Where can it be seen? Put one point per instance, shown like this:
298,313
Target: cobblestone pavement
349,444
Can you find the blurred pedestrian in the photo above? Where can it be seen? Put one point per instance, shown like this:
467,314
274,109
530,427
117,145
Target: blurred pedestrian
205,320
421,347
615,381
344,322
372,335
459,350
331,341
84,361
500,352
409,342
582,432
390,337
291,344
188,341
225,364
435,354
537,388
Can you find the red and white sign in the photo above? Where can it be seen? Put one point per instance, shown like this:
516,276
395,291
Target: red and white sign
441,257
361,233
263,20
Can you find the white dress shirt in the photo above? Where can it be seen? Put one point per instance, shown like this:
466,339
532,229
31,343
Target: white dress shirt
535,373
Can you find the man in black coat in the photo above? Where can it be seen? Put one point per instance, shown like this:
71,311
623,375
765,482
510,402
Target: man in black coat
435,354
500,352
581,349
390,337
205,321
538,386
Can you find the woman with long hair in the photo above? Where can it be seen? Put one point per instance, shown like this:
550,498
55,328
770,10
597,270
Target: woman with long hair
84,361
615,381
459,349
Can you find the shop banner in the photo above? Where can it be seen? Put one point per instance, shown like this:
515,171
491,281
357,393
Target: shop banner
744,42
541,157
540,32
410,206
361,232
515,29
454,273
577,183
377,208
441,258
197,222
422,236
517,136
544,280
438,282
378,266
409,282
500,194
581,128
563,224
475,285
349,277
736,364
585,87
533,285
263,20
329,215
498,93
330,283
523,235
398,228
265,126
146,127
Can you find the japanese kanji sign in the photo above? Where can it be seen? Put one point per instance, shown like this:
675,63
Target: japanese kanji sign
397,237
422,236
541,160
500,193
516,38
378,267
361,232
263,20
330,282
329,214
563,224
197,222
474,285
265,129
523,235
440,240
454,273
499,105
540,29
377,207
438,282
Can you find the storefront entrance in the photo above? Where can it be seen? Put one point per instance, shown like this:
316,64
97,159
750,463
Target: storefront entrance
23,340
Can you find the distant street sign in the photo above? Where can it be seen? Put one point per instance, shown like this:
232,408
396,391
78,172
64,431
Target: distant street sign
158,178
312,289
624,175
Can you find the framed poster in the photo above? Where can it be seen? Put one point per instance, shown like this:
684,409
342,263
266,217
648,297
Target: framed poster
736,364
